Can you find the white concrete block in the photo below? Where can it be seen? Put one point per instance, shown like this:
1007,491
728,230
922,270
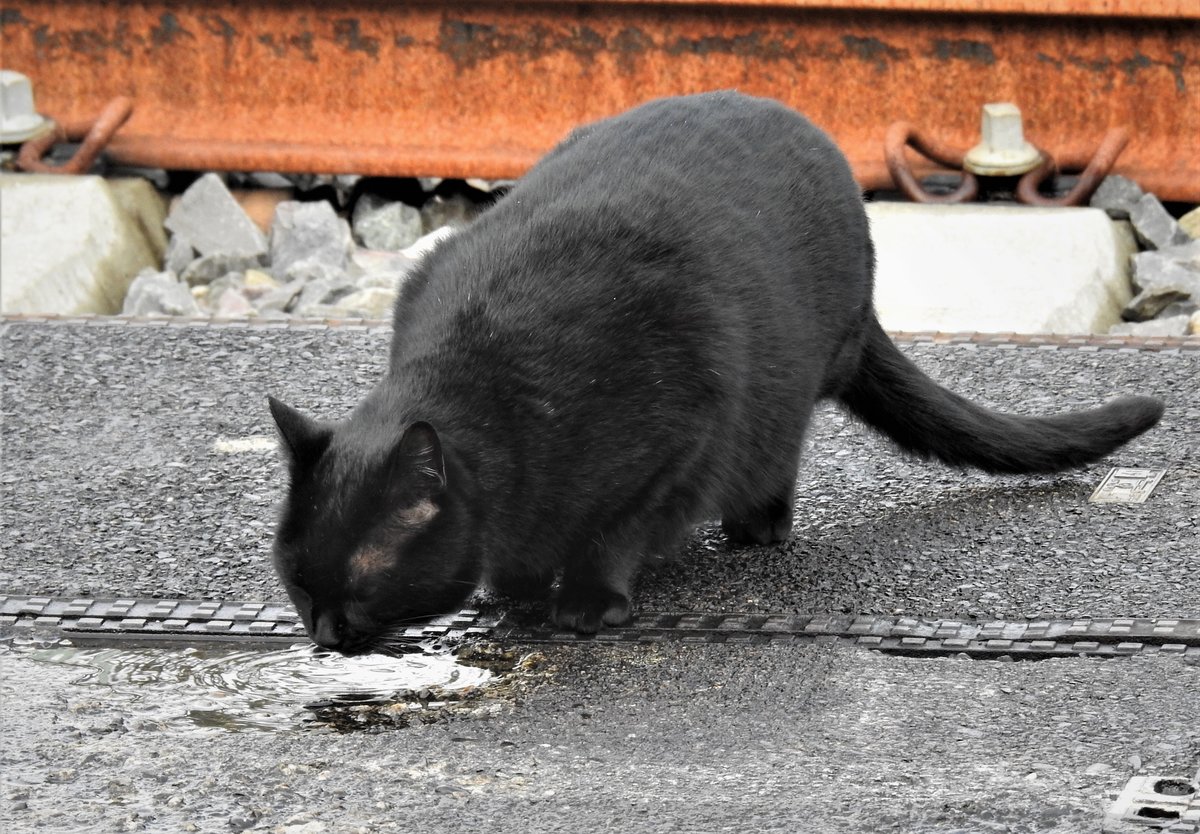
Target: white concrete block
72,245
998,269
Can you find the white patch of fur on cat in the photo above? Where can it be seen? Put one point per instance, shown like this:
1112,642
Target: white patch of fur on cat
420,513
369,561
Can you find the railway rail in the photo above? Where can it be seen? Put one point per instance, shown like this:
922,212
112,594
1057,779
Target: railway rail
483,88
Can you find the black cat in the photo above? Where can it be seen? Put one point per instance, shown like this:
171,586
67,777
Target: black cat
630,342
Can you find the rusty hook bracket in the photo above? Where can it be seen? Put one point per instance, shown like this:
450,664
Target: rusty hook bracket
95,137
1093,174
902,134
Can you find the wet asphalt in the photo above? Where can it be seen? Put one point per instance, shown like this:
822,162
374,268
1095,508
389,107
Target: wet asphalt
119,479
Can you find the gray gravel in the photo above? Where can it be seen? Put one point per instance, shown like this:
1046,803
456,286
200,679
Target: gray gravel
112,483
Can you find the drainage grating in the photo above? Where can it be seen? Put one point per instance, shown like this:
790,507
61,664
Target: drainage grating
192,620
187,621
1170,804
903,635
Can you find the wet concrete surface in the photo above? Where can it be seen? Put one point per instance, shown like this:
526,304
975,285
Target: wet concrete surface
667,738
119,480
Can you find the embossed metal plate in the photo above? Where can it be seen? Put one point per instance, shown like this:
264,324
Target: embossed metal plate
1127,486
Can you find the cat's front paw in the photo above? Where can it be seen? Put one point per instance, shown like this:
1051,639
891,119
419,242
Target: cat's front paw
587,610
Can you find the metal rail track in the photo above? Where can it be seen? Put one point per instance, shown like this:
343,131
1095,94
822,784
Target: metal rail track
188,621
483,88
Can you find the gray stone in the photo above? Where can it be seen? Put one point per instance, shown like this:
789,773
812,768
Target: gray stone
208,268
318,293
258,283
370,268
154,293
264,179
1190,223
279,300
1154,300
382,224
319,311
1173,326
1154,226
179,254
1117,195
365,261
384,280
362,308
313,270
1177,265
233,304
455,210
1188,254
308,232
210,218
1180,308
371,303
231,281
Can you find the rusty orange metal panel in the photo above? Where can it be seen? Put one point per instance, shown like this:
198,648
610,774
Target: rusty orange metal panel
484,88
1084,8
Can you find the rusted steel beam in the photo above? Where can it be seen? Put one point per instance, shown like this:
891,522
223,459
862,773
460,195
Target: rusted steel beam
484,88
1080,8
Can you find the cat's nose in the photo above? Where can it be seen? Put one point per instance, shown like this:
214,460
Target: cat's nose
328,631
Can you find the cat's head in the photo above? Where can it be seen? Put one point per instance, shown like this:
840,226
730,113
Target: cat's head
371,537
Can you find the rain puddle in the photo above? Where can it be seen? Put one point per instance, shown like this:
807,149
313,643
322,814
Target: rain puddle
214,687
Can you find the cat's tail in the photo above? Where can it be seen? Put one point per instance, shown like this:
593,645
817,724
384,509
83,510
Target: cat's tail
892,394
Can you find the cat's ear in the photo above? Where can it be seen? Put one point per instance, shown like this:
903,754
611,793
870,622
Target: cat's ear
419,455
304,439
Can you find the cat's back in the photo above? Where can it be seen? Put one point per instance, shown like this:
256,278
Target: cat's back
682,219
674,148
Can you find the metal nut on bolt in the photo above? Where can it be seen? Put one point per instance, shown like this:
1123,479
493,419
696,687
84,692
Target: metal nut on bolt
1003,151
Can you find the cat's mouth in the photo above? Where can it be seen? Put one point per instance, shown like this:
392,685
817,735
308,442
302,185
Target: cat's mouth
394,639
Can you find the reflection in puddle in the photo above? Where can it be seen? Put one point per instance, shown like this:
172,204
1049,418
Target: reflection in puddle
218,687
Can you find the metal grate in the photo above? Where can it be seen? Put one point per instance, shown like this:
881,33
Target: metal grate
1044,638
194,620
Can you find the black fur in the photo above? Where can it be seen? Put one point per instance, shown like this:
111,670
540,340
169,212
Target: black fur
630,342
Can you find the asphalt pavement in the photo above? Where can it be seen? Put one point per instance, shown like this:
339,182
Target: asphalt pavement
137,461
